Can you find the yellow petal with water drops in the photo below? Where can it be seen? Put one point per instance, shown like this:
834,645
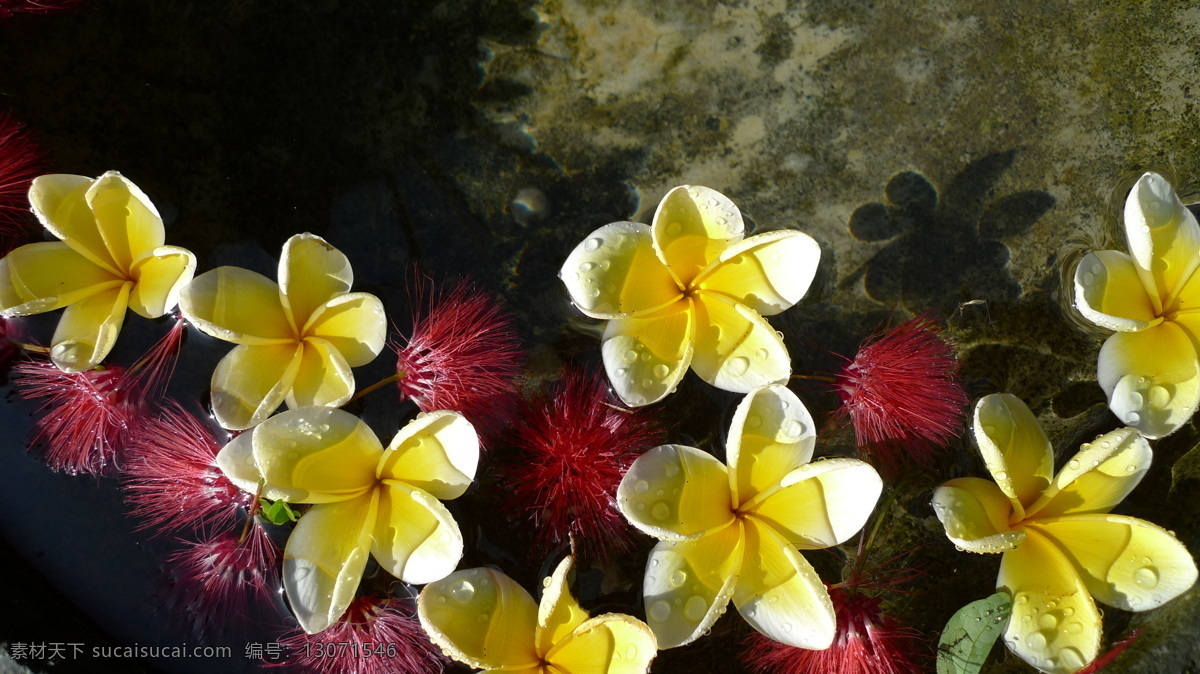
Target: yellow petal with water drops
39,277
820,504
88,329
1055,625
323,380
354,324
1163,236
236,461
324,560
692,226
437,452
1097,478
311,272
1152,378
767,272
688,584
1125,562
614,272
160,277
675,492
612,643
59,202
558,612
127,220
316,454
1109,292
1015,449
416,538
780,594
481,617
236,305
250,383
736,349
646,357
771,435
974,513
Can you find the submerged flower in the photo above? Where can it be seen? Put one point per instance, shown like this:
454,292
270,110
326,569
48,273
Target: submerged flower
223,580
485,619
903,395
735,532
111,257
171,479
690,291
297,339
368,501
377,635
572,450
868,641
1062,550
20,162
1149,367
464,355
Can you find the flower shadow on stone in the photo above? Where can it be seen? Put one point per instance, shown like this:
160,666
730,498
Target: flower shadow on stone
945,248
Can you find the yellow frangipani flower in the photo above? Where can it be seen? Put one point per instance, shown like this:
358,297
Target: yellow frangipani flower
111,256
1062,550
483,618
296,340
1149,367
690,291
369,501
735,533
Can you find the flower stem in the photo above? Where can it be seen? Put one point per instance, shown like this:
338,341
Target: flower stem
254,507
378,385
816,377
32,347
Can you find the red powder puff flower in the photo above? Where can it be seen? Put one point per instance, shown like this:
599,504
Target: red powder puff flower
20,162
903,395
867,641
171,479
10,7
376,635
224,580
464,355
573,447
85,417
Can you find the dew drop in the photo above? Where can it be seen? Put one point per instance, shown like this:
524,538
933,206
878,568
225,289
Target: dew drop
793,429
1159,396
1132,418
1022,598
594,293
647,383
463,591
1070,658
1135,399
1048,621
738,366
629,356
1146,577
661,371
587,266
674,227
641,486
1001,476
753,421
1088,278
546,581
621,371
1036,641
761,354
1073,464
1073,627
593,243
483,618
660,511
659,611
1130,468
640,507
672,470
678,578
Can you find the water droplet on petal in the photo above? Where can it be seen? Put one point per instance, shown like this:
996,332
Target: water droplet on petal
678,578
738,366
641,486
463,591
587,266
659,611
593,243
661,371
1036,641
1146,577
660,511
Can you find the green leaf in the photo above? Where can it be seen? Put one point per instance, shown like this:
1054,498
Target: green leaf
277,512
968,637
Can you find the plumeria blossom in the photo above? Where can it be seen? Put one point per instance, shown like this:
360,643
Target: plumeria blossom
1149,367
1062,549
368,501
736,532
296,340
110,257
690,291
485,619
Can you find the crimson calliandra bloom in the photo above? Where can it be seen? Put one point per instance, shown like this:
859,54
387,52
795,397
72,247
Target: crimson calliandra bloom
21,160
573,447
86,417
171,479
225,579
9,8
376,635
867,641
464,355
903,396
